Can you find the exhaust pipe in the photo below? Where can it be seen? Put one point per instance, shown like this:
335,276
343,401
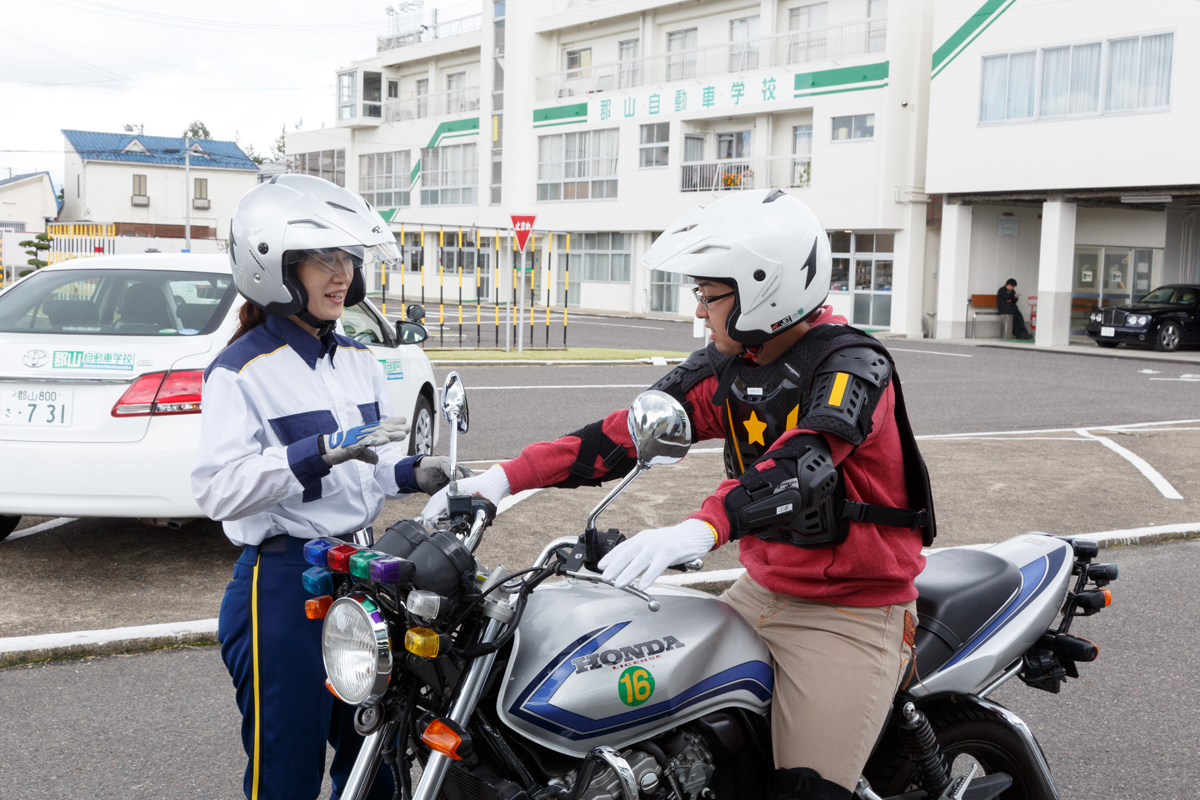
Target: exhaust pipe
174,523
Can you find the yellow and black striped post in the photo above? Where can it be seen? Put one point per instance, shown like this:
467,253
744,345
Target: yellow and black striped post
422,265
441,285
403,311
566,289
496,281
478,300
458,264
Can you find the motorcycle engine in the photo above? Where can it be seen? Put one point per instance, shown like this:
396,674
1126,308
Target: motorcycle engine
691,767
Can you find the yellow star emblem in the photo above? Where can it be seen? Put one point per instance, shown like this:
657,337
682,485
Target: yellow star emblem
755,428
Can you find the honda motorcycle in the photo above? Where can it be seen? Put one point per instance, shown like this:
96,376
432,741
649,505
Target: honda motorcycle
549,682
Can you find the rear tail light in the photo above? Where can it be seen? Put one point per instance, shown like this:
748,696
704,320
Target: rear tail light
162,393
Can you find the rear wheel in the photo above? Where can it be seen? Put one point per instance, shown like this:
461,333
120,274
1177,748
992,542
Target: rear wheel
1168,338
420,436
968,737
7,526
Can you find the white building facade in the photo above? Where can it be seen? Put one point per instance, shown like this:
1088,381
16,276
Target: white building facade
609,120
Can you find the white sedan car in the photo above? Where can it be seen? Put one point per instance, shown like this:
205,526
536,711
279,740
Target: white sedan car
101,364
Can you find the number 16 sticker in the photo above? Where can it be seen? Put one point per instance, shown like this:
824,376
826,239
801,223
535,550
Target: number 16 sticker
635,686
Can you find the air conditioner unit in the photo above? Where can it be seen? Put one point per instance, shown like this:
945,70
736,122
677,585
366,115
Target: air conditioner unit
566,93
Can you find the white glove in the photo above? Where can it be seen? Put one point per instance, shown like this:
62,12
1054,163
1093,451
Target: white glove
652,551
357,442
433,472
492,484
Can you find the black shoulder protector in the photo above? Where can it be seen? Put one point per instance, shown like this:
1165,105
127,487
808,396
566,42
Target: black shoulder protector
594,442
681,380
847,385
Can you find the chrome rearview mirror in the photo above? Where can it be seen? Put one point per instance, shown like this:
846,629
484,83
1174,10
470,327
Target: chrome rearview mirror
660,428
454,411
662,434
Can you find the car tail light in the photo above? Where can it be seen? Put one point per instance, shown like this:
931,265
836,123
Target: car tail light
138,400
162,393
180,393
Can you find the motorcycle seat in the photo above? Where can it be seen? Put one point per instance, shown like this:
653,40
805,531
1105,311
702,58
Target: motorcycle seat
959,592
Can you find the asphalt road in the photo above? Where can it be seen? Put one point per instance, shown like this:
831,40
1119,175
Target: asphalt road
164,724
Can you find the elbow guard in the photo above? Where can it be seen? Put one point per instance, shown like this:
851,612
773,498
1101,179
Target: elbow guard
792,501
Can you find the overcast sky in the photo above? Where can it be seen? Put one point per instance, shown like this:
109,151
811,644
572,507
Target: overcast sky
243,67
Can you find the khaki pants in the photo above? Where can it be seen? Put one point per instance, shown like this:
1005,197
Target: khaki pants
837,669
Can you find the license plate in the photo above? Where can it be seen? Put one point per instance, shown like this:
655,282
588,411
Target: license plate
1108,331
36,407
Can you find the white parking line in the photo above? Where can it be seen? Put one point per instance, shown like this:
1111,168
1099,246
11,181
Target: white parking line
930,352
50,641
1162,484
45,526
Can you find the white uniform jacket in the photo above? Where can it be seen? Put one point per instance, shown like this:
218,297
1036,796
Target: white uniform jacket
266,399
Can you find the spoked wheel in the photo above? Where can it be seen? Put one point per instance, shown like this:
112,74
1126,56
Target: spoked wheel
968,737
420,436
1168,339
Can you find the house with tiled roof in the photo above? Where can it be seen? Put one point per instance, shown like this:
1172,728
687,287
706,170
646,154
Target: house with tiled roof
27,202
152,185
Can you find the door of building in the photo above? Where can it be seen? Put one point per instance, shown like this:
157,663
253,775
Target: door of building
872,258
1111,276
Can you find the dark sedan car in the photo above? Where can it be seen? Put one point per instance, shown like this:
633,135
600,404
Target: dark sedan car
1167,318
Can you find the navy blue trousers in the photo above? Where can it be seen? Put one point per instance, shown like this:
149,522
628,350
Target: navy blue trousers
273,653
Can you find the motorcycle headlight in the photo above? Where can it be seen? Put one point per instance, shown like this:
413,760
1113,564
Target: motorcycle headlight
356,649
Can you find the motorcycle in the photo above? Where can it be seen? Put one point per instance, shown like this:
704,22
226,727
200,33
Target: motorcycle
514,686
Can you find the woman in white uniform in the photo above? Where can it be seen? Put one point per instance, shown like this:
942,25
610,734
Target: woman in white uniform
298,441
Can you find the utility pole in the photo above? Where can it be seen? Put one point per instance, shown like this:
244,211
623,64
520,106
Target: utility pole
187,194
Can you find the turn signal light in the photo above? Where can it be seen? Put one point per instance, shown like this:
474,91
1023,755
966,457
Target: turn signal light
422,642
360,561
162,393
332,691
338,558
1095,599
317,607
442,737
138,400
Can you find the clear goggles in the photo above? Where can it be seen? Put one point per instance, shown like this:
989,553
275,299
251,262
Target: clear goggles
333,260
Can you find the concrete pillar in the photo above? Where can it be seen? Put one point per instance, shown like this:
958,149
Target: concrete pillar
1055,262
908,273
954,288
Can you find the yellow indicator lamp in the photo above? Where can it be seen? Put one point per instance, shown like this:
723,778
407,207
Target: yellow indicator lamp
422,642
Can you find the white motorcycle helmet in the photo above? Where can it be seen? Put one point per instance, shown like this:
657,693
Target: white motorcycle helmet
767,245
292,218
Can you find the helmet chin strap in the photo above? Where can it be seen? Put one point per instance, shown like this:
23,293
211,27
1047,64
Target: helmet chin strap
323,326
754,350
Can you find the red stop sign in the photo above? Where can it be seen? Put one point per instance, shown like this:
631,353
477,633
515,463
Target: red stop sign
523,227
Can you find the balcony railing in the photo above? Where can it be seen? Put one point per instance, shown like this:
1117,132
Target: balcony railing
736,174
201,203
764,52
434,27
455,101
140,199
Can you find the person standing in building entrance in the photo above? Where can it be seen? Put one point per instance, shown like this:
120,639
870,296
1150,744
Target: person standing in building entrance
297,442
805,403
1006,303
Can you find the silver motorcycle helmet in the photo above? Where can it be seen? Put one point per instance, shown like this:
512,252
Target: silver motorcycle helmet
302,218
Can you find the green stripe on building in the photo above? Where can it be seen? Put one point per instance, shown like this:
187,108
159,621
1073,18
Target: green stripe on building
829,78
388,213
848,89
447,130
560,115
416,172
968,32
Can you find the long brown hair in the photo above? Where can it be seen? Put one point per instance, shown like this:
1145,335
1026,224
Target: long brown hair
249,317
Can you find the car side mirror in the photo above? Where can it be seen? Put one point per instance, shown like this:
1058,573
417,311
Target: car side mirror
415,312
410,332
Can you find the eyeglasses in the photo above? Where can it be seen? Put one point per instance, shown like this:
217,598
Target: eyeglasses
708,301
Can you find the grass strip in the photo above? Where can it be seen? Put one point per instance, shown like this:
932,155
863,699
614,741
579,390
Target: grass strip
542,354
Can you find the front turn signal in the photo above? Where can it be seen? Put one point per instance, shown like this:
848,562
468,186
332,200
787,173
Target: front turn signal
317,607
422,642
447,738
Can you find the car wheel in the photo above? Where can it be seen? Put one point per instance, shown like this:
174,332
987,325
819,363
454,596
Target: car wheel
1168,338
8,525
1107,344
420,435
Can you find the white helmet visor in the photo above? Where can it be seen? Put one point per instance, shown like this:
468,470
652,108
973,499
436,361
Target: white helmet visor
333,260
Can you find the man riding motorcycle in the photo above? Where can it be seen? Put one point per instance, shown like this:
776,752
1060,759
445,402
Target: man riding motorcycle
826,490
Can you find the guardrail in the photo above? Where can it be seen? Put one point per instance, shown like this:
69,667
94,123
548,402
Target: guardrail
763,52
737,174
439,29
455,101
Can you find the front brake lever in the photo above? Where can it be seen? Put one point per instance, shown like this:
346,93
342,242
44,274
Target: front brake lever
651,602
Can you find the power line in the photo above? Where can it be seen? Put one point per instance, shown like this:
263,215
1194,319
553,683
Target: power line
216,26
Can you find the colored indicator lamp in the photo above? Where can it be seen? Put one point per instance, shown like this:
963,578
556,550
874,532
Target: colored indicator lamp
317,580
338,558
315,550
360,561
442,737
317,607
391,569
422,642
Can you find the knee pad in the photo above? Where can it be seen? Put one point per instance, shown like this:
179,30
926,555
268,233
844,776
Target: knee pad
802,783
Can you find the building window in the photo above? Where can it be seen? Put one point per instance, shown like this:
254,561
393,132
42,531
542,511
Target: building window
802,150
862,262
630,69
393,90
876,25
597,257
456,93
681,54
327,164
1139,73
201,188
372,94
384,179
449,175
734,144
743,51
422,98
1070,80
860,126
653,149
347,94
810,37
1008,87
577,63
139,185
578,166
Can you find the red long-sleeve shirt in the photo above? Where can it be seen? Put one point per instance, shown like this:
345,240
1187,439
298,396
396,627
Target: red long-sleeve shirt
876,564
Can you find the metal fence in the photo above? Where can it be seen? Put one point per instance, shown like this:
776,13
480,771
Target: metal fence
737,174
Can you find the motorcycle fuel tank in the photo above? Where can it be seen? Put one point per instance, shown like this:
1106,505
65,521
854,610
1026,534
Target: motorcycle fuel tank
592,665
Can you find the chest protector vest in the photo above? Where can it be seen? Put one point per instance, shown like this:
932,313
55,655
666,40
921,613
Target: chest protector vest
762,402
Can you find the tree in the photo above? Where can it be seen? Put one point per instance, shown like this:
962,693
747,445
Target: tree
279,148
197,130
37,245
253,156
